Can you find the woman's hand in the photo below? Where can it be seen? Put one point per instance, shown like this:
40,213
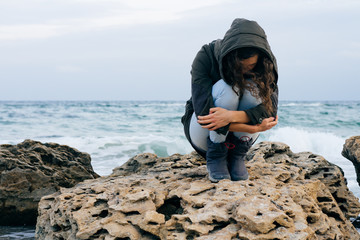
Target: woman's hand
218,117
267,124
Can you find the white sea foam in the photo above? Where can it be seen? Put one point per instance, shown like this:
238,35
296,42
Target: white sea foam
303,140
17,232
302,104
113,151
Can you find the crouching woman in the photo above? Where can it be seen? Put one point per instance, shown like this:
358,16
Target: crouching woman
234,96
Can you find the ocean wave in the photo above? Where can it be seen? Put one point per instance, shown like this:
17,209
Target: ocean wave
114,131
108,152
17,232
302,104
308,140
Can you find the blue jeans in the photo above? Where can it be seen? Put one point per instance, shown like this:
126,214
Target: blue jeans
224,97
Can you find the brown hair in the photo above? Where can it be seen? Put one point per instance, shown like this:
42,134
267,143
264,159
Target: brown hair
262,74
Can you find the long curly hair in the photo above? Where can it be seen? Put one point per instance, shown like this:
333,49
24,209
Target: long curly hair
262,75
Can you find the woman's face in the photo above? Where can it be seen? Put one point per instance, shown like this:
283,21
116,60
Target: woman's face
249,63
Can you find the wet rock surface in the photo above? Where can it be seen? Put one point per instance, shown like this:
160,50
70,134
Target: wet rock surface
31,170
351,151
288,196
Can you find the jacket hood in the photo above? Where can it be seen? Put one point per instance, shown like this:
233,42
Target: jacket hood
243,33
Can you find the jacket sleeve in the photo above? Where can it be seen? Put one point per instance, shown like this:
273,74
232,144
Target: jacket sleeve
258,113
202,82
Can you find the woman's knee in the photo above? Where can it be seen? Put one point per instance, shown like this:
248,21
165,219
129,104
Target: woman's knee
224,96
249,99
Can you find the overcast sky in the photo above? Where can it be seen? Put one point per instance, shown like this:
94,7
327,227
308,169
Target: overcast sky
143,49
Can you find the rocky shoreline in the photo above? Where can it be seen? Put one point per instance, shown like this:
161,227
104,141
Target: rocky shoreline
288,196
31,170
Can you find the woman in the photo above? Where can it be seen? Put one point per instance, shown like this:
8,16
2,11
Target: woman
234,97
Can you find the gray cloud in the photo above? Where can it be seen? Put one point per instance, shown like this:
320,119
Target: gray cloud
134,50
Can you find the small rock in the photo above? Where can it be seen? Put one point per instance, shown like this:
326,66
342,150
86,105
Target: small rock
351,151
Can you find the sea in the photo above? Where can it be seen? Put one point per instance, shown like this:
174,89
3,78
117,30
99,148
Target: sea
114,131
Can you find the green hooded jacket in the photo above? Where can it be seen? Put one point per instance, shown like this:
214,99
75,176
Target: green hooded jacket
207,70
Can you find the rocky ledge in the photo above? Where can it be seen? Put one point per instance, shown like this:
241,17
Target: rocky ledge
351,151
31,170
288,196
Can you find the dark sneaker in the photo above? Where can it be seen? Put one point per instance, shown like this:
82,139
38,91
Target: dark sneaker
216,161
236,158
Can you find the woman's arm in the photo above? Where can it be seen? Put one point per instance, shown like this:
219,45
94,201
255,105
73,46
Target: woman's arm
241,127
203,76
258,113
265,125
219,117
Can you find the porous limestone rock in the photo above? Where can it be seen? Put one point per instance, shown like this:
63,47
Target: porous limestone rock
288,196
351,151
31,170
